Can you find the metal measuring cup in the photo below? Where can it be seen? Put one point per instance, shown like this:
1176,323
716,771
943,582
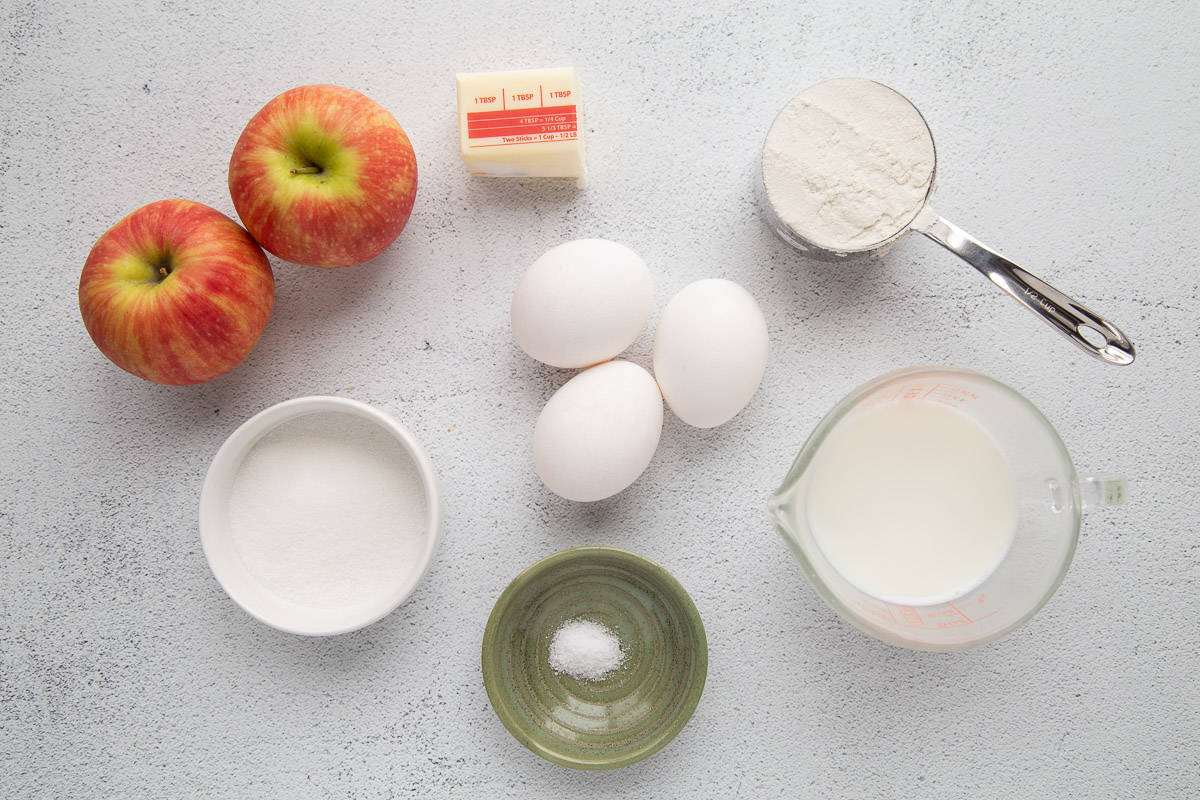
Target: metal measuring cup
1086,329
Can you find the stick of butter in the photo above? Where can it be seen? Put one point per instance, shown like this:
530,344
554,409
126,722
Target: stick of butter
526,123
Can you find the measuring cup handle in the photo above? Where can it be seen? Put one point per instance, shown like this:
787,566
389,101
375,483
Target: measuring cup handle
1066,316
1098,491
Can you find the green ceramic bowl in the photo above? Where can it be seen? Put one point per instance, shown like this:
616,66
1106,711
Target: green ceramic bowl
634,711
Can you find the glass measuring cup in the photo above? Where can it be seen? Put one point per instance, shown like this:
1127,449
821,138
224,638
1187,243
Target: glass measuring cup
1086,329
1050,497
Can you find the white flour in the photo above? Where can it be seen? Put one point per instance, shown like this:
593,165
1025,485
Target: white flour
328,511
847,164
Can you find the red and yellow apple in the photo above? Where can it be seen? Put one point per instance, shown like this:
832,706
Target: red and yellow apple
176,293
324,176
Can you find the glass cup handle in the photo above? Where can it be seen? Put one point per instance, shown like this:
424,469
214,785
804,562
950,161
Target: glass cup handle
1067,317
1098,491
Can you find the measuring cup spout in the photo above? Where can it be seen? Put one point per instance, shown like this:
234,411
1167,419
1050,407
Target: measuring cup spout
777,510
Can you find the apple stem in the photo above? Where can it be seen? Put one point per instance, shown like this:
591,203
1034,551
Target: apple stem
163,271
306,170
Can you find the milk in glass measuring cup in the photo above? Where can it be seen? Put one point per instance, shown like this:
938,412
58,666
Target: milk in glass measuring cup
936,508
848,168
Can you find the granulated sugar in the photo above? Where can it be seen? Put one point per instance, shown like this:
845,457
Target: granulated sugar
328,511
585,650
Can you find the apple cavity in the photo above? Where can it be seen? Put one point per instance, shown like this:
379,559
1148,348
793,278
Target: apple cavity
176,293
323,175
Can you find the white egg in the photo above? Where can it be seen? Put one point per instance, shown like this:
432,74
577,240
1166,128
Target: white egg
582,303
598,432
710,351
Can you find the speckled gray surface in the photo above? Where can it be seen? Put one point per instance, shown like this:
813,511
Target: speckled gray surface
1066,136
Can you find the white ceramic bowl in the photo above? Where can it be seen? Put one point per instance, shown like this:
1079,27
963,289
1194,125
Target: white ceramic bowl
227,565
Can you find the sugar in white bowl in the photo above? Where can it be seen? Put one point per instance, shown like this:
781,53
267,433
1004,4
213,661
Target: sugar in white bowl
319,515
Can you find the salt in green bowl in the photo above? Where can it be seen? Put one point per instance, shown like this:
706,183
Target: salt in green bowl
635,710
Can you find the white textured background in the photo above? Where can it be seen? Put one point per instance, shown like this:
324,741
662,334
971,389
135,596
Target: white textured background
1068,137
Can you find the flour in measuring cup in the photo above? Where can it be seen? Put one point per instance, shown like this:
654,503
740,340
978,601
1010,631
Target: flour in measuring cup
847,164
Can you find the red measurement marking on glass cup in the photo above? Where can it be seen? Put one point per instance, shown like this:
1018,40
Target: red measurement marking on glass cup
878,610
909,616
942,615
943,393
